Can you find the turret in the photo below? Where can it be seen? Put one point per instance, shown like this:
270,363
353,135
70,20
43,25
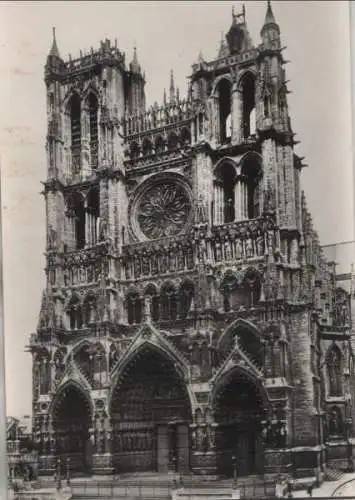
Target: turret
55,63
238,37
136,102
270,32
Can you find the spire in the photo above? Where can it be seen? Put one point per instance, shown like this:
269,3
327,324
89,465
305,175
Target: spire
134,64
172,87
270,25
164,98
54,52
269,18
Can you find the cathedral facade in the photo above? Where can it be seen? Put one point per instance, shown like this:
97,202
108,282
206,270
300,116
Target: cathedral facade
190,320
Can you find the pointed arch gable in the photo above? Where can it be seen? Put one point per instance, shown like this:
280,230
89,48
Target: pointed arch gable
68,383
227,372
237,324
148,336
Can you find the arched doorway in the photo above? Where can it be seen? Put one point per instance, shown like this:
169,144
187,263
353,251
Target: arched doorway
150,411
71,423
239,409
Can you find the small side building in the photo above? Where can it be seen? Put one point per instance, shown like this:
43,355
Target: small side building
21,451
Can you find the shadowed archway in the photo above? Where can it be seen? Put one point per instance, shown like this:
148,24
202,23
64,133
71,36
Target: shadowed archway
150,411
240,406
72,416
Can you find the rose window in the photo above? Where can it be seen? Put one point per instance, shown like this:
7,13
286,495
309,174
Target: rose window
163,210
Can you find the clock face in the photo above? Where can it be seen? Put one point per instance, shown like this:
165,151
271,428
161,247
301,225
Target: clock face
163,210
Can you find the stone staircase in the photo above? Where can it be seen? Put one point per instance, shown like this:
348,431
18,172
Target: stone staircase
159,487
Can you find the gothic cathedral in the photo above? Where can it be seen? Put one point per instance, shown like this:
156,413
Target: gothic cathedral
190,320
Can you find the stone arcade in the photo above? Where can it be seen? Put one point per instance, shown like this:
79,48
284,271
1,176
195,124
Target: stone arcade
189,314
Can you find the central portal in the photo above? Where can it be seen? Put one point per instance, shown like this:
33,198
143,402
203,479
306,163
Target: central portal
150,413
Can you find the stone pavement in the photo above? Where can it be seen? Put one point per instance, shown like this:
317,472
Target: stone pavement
340,488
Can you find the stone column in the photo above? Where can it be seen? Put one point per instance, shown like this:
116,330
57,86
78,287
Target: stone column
237,104
102,450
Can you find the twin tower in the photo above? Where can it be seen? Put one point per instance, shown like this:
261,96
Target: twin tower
190,321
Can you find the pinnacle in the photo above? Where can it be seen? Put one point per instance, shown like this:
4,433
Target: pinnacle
54,52
269,18
134,64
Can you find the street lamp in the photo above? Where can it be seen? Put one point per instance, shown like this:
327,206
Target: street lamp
234,460
59,479
349,444
68,471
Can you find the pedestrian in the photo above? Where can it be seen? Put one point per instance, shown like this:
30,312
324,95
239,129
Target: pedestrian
289,489
310,490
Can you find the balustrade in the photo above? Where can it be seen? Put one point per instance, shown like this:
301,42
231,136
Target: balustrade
161,116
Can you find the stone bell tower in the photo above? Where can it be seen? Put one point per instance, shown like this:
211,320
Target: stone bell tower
86,208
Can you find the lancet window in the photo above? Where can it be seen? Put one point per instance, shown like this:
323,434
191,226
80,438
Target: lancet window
75,128
134,151
248,93
168,302
173,142
185,299
93,111
152,301
224,89
238,293
89,309
185,137
134,308
44,372
76,220
75,313
237,193
159,145
224,193
252,287
147,147
92,217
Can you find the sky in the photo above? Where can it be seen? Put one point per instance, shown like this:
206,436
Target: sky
168,35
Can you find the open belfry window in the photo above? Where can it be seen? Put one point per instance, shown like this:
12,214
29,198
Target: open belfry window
251,173
93,109
92,216
248,92
76,221
75,128
237,197
224,90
